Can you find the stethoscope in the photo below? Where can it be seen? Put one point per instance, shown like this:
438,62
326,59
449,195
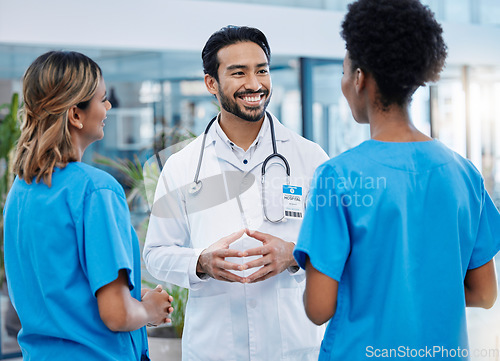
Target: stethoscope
197,184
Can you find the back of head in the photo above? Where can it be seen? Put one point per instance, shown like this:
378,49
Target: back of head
52,84
398,42
227,36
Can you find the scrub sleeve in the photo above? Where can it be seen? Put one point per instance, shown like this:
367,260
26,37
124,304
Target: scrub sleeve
488,234
110,245
107,243
324,236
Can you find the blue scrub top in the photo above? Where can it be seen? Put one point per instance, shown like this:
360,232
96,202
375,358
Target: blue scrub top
398,225
62,244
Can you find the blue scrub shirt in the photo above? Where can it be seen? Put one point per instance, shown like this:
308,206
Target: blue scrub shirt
398,225
62,244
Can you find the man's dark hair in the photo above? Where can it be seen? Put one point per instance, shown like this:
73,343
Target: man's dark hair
398,42
226,36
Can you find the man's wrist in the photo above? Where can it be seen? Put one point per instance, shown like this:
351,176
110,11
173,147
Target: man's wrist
199,269
202,276
200,272
293,266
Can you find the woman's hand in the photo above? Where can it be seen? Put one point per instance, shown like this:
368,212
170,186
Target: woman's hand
159,305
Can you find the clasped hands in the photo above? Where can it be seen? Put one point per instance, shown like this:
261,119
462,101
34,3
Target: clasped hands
277,256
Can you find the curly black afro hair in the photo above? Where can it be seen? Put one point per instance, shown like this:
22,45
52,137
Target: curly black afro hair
397,41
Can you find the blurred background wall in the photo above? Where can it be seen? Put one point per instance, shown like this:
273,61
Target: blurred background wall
150,55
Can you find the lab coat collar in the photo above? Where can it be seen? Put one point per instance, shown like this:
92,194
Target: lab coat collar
221,135
281,133
224,152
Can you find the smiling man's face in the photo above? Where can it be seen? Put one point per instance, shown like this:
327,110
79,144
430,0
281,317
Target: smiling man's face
244,86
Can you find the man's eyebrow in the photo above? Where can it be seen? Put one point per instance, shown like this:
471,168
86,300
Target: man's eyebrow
236,66
239,66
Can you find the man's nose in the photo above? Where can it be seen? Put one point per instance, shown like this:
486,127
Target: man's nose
253,83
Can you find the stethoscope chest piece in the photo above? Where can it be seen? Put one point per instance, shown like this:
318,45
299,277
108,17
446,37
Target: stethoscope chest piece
195,187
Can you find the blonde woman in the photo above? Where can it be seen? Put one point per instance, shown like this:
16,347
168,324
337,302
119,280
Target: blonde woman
71,254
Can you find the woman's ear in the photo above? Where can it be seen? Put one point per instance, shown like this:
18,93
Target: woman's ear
360,82
211,84
75,116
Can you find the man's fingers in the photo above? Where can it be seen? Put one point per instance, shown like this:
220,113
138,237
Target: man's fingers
227,252
226,265
257,251
261,261
232,237
227,276
263,278
260,236
260,275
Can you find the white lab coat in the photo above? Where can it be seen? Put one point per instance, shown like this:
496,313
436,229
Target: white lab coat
232,321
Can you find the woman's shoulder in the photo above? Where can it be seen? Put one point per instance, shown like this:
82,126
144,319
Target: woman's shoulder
92,178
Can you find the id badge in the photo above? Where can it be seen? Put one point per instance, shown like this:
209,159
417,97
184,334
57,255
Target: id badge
292,202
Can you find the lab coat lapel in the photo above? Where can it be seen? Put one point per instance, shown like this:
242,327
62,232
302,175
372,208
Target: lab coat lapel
222,150
282,134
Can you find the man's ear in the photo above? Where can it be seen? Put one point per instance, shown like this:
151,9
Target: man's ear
211,84
360,80
75,117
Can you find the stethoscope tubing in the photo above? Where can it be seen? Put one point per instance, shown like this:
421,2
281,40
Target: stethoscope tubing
197,184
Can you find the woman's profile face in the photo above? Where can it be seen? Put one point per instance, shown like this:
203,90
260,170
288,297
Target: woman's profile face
95,115
348,86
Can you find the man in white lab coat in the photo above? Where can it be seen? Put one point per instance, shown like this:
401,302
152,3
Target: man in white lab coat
221,229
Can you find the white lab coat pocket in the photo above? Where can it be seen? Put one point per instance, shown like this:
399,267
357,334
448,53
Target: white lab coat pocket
208,334
301,339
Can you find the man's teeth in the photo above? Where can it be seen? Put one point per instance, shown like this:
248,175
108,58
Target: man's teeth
252,99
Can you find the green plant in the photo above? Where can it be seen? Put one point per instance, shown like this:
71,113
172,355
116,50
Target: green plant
171,136
132,172
9,134
180,296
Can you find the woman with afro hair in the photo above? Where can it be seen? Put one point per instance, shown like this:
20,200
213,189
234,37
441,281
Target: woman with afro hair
399,234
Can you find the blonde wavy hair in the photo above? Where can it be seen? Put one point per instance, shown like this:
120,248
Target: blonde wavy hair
53,83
